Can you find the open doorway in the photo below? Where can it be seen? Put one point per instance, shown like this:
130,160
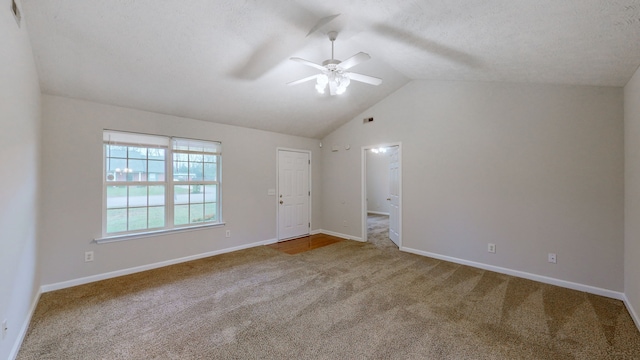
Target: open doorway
381,172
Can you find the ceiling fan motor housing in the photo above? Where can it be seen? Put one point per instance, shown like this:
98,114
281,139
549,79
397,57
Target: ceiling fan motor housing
331,64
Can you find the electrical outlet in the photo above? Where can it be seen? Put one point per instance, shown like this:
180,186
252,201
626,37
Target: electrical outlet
88,256
5,328
227,233
552,258
491,248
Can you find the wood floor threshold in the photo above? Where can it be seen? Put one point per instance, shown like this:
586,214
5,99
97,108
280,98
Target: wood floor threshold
305,243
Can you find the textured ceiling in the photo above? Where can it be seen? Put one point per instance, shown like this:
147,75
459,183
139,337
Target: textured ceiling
227,61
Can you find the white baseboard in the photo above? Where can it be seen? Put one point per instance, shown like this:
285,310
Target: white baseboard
632,311
25,326
521,274
377,213
112,274
336,234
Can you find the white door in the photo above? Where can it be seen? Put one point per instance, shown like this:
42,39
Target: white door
394,196
294,195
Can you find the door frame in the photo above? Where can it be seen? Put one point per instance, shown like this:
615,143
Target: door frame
363,195
278,149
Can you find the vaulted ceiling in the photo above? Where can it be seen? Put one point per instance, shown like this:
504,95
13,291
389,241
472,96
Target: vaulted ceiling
227,61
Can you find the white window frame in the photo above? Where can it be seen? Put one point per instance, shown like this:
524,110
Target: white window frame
170,145
186,147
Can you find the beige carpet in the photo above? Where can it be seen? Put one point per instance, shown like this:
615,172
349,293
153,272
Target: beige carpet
349,300
378,232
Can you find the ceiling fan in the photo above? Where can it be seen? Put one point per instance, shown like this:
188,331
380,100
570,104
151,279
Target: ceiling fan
334,74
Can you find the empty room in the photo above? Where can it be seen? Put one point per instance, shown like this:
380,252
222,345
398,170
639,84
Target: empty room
407,179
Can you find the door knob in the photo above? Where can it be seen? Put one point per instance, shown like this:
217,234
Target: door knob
281,202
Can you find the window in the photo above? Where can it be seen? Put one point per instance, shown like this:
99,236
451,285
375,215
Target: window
195,182
156,183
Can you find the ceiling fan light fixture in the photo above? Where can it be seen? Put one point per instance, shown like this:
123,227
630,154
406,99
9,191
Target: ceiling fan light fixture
321,83
343,82
336,80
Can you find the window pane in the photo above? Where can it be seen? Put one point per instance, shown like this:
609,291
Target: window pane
137,152
180,171
156,195
210,193
137,218
137,170
137,196
210,172
210,158
196,195
195,157
156,154
197,213
155,171
116,151
195,172
181,194
210,212
156,217
181,214
114,168
116,164
116,197
116,220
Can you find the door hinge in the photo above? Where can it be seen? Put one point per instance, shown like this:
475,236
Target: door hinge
309,193
309,225
309,162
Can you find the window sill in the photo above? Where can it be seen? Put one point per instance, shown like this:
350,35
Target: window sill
109,239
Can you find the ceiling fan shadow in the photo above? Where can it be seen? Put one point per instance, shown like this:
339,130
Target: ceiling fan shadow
322,22
262,59
275,50
427,45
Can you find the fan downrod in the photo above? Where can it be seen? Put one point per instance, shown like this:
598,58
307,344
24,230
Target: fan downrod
332,37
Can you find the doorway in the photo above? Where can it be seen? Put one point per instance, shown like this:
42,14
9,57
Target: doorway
381,195
294,195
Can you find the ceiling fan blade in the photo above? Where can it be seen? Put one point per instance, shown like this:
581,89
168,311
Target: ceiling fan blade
365,79
309,63
308,78
354,60
325,20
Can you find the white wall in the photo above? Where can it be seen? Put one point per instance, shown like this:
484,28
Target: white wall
532,168
72,188
19,144
632,195
378,182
